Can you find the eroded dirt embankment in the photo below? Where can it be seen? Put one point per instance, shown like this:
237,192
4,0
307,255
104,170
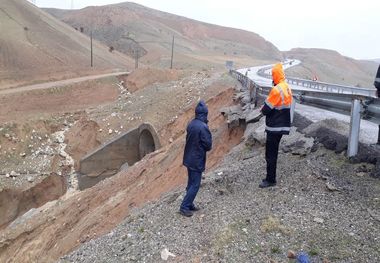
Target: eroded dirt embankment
15,202
88,214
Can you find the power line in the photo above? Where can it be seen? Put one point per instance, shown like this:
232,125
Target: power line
171,60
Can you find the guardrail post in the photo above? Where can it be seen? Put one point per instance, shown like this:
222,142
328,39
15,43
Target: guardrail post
353,140
255,94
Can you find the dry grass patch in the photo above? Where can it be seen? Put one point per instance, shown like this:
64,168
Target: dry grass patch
272,224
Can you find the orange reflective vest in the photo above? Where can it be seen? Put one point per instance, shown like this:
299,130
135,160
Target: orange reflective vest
278,104
280,96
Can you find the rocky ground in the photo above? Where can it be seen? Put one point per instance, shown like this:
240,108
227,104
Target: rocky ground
323,205
66,222
48,138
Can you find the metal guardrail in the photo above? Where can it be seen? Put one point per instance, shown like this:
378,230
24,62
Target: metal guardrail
333,88
323,86
357,105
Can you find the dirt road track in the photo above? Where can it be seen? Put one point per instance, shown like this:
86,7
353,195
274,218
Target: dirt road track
59,83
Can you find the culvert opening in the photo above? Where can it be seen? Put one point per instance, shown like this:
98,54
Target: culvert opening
146,143
117,154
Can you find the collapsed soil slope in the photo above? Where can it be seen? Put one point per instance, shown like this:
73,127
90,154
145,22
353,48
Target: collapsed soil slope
56,228
322,205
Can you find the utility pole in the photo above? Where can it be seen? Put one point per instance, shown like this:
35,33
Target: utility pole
91,50
137,58
72,4
171,60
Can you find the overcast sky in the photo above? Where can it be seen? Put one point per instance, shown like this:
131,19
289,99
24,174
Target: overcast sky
350,27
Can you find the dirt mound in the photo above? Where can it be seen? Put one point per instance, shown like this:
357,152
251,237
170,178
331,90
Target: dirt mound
141,78
15,202
56,100
82,138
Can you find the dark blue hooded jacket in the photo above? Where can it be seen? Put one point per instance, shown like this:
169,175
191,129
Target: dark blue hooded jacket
377,82
198,140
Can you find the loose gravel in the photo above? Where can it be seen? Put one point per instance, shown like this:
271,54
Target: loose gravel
323,205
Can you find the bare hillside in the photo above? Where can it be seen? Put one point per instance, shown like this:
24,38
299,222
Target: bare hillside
330,66
133,28
36,47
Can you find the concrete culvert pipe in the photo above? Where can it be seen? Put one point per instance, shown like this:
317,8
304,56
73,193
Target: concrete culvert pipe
108,159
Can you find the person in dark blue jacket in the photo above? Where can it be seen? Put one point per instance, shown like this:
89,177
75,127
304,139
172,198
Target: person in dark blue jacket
377,82
198,142
377,86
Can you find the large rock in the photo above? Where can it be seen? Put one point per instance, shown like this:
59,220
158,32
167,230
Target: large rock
253,116
301,122
246,99
333,134
255,133
376,170
234,115
233,110
237,97
296,143
367,154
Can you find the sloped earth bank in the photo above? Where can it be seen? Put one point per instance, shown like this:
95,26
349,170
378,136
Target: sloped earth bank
45,132
15,202
62,225
323,205
33,160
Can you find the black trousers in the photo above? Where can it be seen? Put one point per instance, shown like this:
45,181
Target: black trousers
271,153
378,95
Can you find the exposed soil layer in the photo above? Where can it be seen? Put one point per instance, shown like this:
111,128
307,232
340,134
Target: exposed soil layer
21,106
322,205
82,216
15,202
138,78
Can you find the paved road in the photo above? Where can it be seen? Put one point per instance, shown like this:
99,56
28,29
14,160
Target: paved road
59,83
262,81
368,130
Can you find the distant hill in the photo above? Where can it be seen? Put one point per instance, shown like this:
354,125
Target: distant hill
330,66
132,28
377,60
36,47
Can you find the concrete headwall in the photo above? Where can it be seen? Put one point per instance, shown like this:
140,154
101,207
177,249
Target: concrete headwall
106,160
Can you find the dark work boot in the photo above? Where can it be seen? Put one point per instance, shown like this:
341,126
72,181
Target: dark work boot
265,184
195,208
186,213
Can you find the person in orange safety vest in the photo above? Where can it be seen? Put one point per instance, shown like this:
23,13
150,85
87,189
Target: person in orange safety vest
276,109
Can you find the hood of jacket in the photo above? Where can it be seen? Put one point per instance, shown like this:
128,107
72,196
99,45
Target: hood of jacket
278,74
201,111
